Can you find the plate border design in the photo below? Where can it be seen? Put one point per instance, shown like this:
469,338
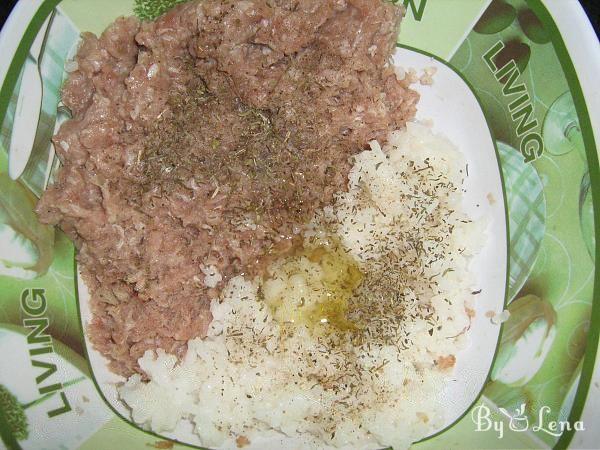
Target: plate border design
574,85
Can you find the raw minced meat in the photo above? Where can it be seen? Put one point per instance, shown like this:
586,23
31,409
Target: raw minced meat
207,138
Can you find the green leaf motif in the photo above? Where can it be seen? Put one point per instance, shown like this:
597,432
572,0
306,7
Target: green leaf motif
14,413
526,340
28,246
527,215
151,9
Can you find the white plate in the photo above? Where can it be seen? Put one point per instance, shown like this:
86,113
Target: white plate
455,113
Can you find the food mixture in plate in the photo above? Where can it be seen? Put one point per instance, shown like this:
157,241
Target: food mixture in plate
348,343
202,142
272,245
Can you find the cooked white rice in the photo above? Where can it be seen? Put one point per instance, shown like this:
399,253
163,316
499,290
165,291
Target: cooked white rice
402,223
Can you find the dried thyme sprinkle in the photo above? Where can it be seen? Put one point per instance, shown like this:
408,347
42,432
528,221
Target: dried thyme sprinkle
217,140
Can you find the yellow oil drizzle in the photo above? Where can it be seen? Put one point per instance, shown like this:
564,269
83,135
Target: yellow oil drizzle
314,286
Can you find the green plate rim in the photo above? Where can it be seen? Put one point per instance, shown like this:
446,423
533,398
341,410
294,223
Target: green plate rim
566,63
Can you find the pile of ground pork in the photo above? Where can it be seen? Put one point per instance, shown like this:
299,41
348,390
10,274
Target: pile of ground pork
202,142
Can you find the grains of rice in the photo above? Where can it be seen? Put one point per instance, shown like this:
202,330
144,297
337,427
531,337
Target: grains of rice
402,223
427,77
212,277
502,317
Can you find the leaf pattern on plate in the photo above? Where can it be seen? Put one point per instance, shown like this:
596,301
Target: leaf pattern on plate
527,215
